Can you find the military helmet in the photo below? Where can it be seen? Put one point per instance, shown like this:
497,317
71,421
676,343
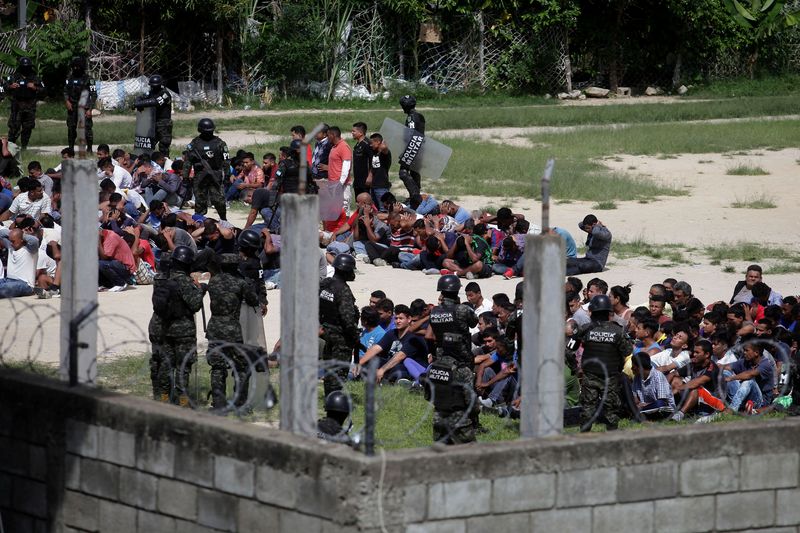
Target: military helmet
249,238
205,125
337,402
344,263
408,102
155,80
601,302
519,291
449,283
183,255
78,63
25,62
229,259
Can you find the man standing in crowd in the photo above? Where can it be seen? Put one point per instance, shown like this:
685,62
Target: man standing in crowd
208,155
361,158
338,320
159,98
77,82
23,88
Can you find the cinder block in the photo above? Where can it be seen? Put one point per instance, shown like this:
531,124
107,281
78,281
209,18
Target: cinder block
572,520
176,498
156,457
182,526
151,522
72,471
415,503
787,508
30,497
255,516
709,476
523,493
587,487
277,487
770,471
116,447
459,498
745,509
218,510
623,518
138,489
504,522
81,511
194,467
37,462
293,522
442,526
234,476
647,482
15,456
82,439
5,489
685,515
100,479
116,518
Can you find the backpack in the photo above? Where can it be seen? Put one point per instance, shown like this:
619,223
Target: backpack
165,299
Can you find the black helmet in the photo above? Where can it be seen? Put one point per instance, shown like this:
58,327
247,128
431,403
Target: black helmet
519,291
344,263
601,302
78,63
155,80
249,238
182,255
25,63
337,402
449,283
205,125
229,259
408,102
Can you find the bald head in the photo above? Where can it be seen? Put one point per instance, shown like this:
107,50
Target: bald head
15,236
364,199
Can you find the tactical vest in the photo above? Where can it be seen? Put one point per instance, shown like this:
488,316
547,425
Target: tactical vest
329,290
449,337
600,350
74,87
448,394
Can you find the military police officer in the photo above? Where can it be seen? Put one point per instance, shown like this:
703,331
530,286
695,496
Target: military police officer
176,300
252,316
155,331
208,155
228,290
414,120
605,347
338,319
451,377
159,97
23,89
337,410
77,82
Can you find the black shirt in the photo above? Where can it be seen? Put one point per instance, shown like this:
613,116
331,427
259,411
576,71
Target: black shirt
361,163
380,163
412,345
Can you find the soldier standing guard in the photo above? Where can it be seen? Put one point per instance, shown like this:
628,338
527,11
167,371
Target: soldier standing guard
76,83
155,332
605,347
208,155
338,320
228,290
411,179
450,376
159,98
23,89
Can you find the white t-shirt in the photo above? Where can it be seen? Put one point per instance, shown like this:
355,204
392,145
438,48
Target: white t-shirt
22,205
121,177
22,265
664,358
44,261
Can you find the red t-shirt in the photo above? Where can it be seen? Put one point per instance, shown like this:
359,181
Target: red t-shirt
333,225
147,254
339,154
116,248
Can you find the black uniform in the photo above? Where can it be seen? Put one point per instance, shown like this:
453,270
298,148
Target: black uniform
451,376
605,347
73,87
210,159
162,101
362,154
287,176
411,179
22,117
338,317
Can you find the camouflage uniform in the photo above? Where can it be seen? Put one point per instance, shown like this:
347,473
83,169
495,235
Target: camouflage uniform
227,292
456,407
72,93
208,185
605,346
338,316
155,331
23,105
180,336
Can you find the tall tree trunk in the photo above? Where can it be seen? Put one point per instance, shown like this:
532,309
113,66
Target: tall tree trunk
219,67
676,72
141,41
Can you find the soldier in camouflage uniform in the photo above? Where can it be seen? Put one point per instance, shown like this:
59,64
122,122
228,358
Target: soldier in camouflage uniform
77,82
180,332
451,377
605,348
208,156
23,89
338,319
155,331
161,100
228,290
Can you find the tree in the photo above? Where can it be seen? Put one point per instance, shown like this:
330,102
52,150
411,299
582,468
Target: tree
762,20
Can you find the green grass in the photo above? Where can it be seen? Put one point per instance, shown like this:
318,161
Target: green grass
729,269
746,170
671,253
749,251
760,202
783,268
767,86
606,205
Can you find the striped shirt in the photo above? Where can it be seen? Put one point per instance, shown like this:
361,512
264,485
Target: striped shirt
403,239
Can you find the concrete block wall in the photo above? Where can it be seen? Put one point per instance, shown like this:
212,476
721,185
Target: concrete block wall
87,460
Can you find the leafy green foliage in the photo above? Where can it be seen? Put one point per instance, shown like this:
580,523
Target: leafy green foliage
52,48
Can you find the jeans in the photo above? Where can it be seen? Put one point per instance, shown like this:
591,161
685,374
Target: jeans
427,205
503,390
500,268
741,391
232,193
162,195
582,265
273,276
273,221
5,202
112,273
519,266
376,195
360,248
12,288
409,261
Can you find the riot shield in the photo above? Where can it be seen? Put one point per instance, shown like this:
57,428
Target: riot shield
145,131
425,155
331,199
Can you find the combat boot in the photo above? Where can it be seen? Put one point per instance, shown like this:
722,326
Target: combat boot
164,397
183,400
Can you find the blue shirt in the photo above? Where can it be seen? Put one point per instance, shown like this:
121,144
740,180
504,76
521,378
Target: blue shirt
572,249
462,215
368,338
